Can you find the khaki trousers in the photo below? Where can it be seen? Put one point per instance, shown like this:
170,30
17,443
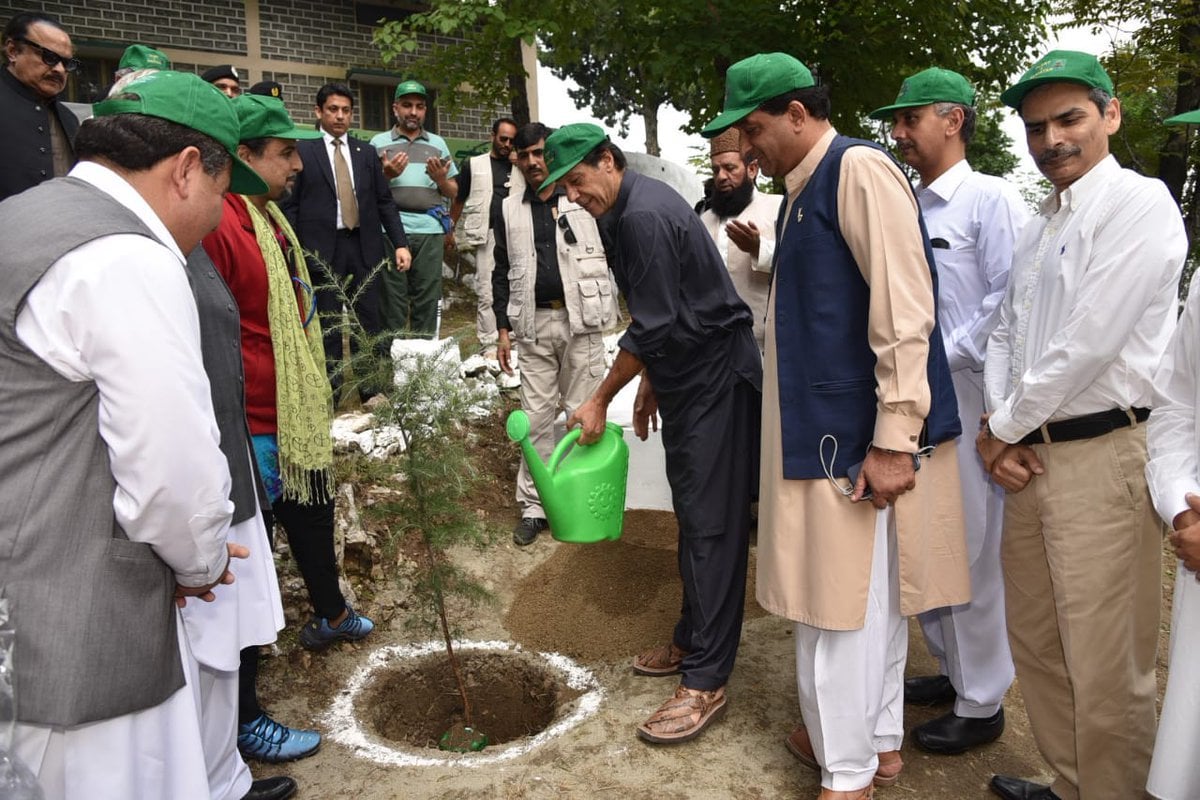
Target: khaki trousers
485,317
1083,585
558,370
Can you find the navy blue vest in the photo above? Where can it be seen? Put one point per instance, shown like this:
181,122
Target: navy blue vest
825,364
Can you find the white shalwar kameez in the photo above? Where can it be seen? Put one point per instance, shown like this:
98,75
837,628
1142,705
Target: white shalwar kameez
125,300
977,217
1173,438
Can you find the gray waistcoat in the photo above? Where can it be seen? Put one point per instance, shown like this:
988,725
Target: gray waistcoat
221,348
93,611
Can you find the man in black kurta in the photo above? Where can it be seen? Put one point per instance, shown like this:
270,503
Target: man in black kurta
691,339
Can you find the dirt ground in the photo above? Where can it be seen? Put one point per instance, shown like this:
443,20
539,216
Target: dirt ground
600,604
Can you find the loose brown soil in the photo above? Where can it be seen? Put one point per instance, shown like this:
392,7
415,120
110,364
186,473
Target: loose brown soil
605,601
417,701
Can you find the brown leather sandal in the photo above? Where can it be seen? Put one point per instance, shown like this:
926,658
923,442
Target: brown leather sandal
886,774
684,716
659,661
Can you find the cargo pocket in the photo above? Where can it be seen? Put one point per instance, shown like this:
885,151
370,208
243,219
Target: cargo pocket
516,294
591,303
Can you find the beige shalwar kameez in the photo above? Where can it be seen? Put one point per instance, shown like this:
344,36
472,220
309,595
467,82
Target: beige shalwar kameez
814,545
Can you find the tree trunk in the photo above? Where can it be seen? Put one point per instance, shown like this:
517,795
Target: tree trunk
650,118
516,86
1173,165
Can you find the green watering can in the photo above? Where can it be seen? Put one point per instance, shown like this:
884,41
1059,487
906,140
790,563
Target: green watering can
583,487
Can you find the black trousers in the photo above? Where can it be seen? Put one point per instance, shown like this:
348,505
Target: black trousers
309,529
721,448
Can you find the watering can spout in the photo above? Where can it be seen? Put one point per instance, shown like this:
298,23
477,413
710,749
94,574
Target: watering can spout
582,488
517,428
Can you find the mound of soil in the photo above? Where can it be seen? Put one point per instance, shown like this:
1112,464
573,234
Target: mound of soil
625,594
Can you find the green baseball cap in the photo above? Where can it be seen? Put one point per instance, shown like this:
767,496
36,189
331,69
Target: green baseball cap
933,85
185,99
139,56
1186,118
261,116
410,87
1071,66
754,80
567,146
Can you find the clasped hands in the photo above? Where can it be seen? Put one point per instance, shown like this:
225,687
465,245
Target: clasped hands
1010,465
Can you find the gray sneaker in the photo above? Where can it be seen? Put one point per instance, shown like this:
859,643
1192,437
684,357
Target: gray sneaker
528,529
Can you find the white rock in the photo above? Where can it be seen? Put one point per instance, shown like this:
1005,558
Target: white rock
474,366
505,381
389,440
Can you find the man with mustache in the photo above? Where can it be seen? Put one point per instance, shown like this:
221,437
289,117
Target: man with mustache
856,386
972,220
421,175
485,180
550,290
741,221
37,131
1090,308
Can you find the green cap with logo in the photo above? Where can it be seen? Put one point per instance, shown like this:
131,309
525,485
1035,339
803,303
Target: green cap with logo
567,146
1056,66
262,117
185,99
410,87
139,56
933,85
754,80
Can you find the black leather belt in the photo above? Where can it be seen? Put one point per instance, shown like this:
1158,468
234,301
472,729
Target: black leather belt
347,231
1088,426
555,304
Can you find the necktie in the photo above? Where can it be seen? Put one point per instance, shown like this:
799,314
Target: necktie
345,189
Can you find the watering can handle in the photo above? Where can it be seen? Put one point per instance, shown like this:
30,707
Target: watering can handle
563,447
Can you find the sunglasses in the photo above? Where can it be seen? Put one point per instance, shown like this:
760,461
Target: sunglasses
49,57
568,234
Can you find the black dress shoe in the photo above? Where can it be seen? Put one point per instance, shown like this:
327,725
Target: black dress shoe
1017,789
951,734
278,788
929,690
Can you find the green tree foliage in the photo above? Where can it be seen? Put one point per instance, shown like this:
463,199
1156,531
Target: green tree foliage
629,57
991,149
471,48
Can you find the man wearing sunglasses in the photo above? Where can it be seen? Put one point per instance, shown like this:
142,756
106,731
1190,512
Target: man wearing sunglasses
550,291
483,183
36,130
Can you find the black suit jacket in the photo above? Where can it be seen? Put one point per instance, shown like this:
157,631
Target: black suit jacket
312,205
25,157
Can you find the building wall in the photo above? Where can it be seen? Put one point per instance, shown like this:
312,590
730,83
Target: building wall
301,44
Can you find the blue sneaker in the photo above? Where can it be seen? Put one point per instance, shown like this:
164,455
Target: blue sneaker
317,635
264,739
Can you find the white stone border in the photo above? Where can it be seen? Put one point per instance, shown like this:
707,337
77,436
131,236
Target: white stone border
345,729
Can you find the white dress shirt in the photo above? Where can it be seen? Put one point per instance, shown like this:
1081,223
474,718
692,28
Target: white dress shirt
1172,434
979,217
1091,303
329,151
118,311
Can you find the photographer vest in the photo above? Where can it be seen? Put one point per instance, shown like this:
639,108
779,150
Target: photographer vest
587,287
